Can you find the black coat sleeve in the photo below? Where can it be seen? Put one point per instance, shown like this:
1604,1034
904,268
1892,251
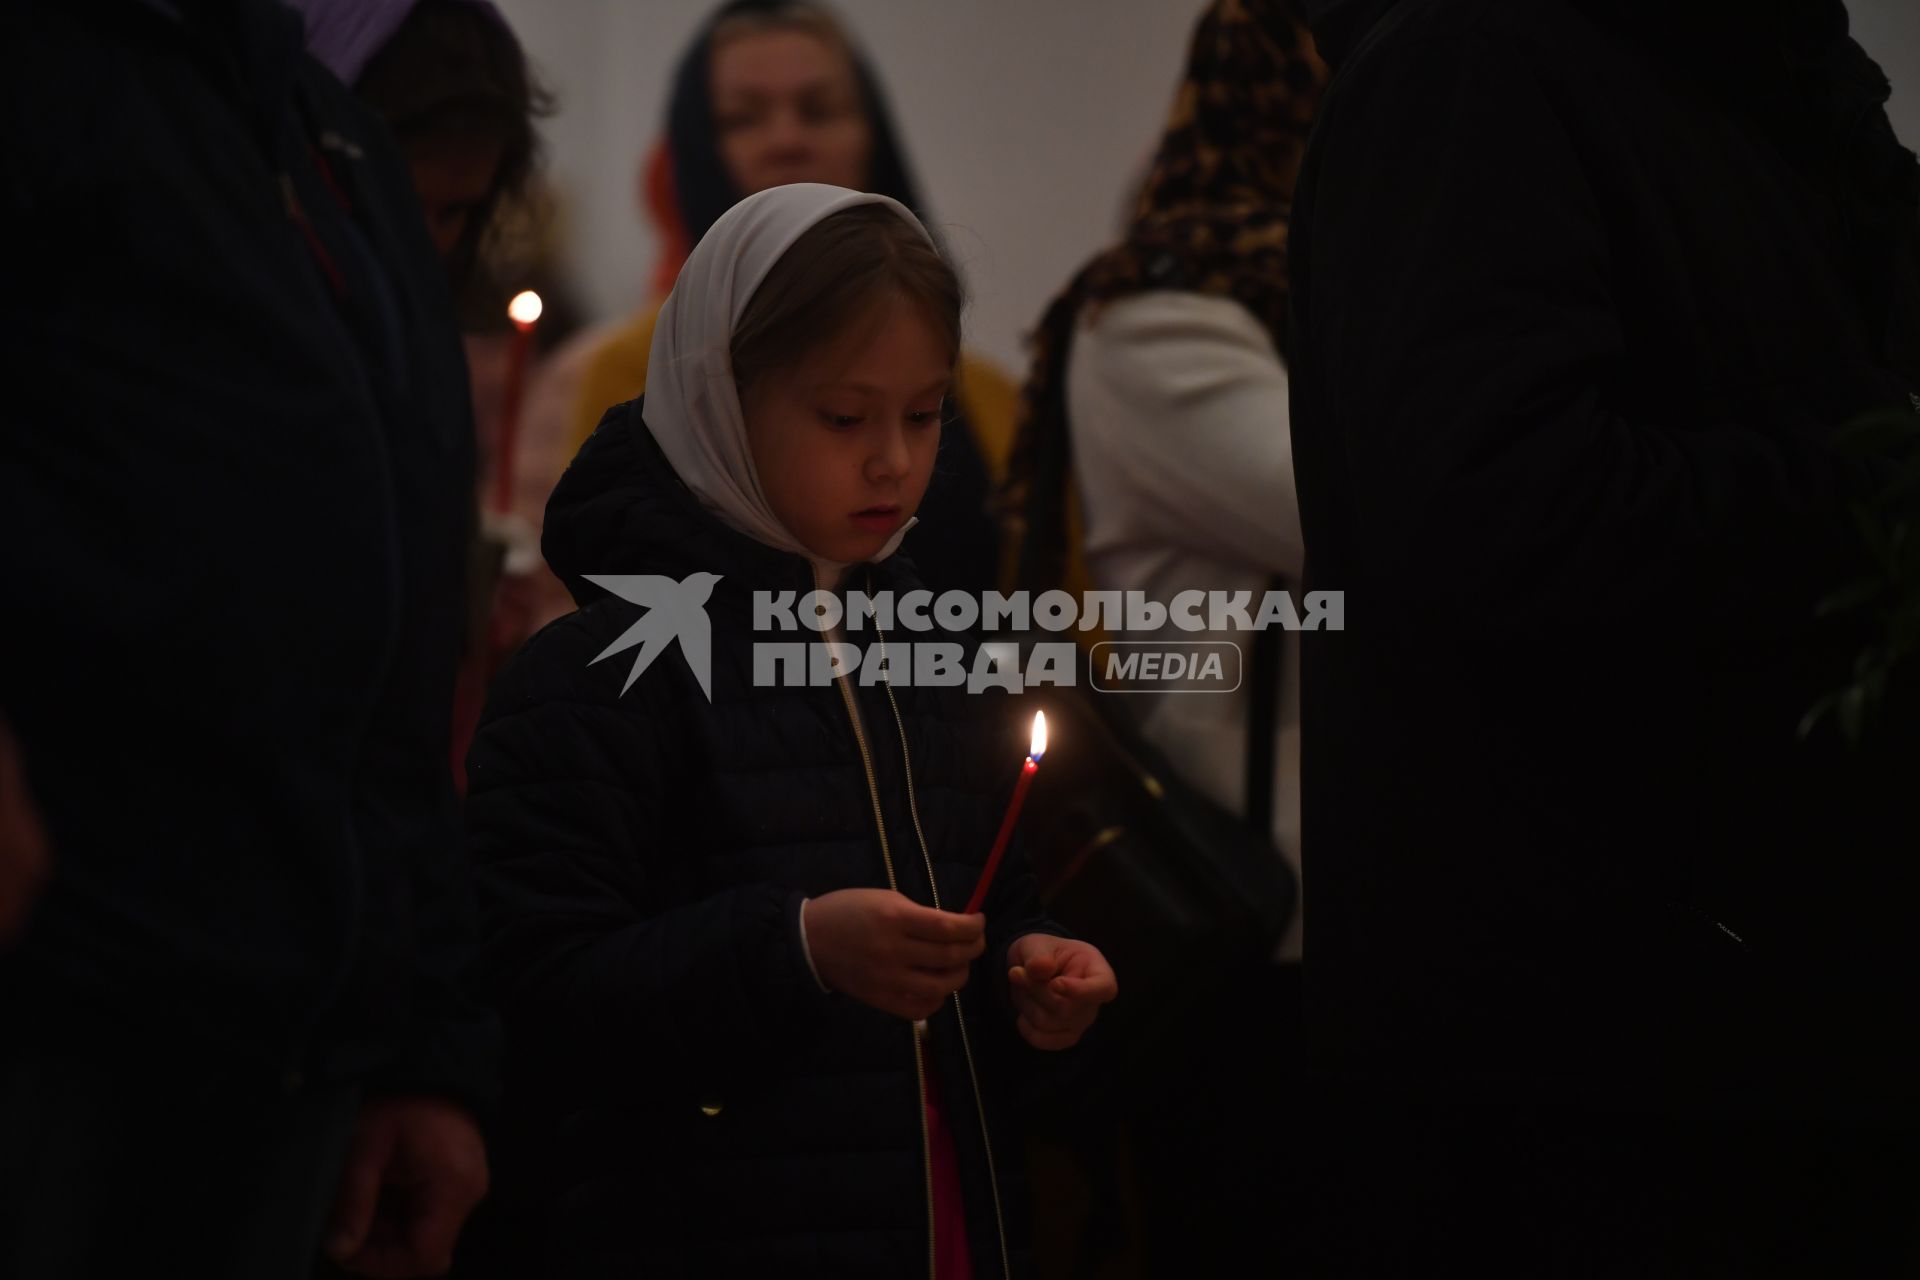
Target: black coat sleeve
571,815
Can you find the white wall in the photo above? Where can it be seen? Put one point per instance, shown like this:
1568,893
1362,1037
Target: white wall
1025,120
1890,31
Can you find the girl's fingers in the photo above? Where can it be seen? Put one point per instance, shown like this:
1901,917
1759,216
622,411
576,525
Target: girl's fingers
924,924
944,980
935,955
1025,976
1042,968
1097,990
1063,990
1078,960
965,952
1040,1003
1028,996
1041,1038
1044,1022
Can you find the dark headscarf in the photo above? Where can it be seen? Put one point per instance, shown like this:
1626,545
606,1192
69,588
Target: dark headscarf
1212,219
700,177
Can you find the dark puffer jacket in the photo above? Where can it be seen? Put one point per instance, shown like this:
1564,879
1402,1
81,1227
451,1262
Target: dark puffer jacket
683,1097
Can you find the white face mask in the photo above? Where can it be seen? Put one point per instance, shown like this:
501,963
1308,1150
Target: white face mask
692,407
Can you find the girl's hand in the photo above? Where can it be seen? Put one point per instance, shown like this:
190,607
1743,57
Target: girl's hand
886,950
1058,986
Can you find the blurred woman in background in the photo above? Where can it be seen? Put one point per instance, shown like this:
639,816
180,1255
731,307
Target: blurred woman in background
770,93
451,82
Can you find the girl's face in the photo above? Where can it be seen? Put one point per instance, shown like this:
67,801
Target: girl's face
787,109
844,441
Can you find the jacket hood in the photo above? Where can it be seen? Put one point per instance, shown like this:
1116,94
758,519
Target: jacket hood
621,509
700,179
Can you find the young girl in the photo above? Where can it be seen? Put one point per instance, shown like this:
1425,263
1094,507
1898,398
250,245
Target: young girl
750,1035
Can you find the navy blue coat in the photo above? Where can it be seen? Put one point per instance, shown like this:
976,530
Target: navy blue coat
683,1098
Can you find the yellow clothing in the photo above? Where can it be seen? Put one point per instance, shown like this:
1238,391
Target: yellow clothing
616,373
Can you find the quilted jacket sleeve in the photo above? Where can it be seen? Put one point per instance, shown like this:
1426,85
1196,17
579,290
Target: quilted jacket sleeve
571,826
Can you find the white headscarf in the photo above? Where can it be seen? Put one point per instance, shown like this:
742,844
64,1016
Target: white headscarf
692,407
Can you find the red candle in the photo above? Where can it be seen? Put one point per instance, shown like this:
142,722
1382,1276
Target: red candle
524,311
1032,766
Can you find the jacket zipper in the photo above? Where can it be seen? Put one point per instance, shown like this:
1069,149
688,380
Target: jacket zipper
919,1061
959,1014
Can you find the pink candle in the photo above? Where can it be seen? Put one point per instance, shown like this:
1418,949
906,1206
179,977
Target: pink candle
1038,749
524,311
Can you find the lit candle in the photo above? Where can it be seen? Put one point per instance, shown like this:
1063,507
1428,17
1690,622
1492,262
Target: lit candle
1032,766
524,311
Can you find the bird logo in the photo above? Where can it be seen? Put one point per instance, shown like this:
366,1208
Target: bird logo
674,611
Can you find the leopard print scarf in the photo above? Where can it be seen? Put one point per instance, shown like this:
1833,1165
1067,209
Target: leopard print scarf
1211,218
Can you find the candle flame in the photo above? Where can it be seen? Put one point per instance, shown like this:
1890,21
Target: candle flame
1039,736
525,307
